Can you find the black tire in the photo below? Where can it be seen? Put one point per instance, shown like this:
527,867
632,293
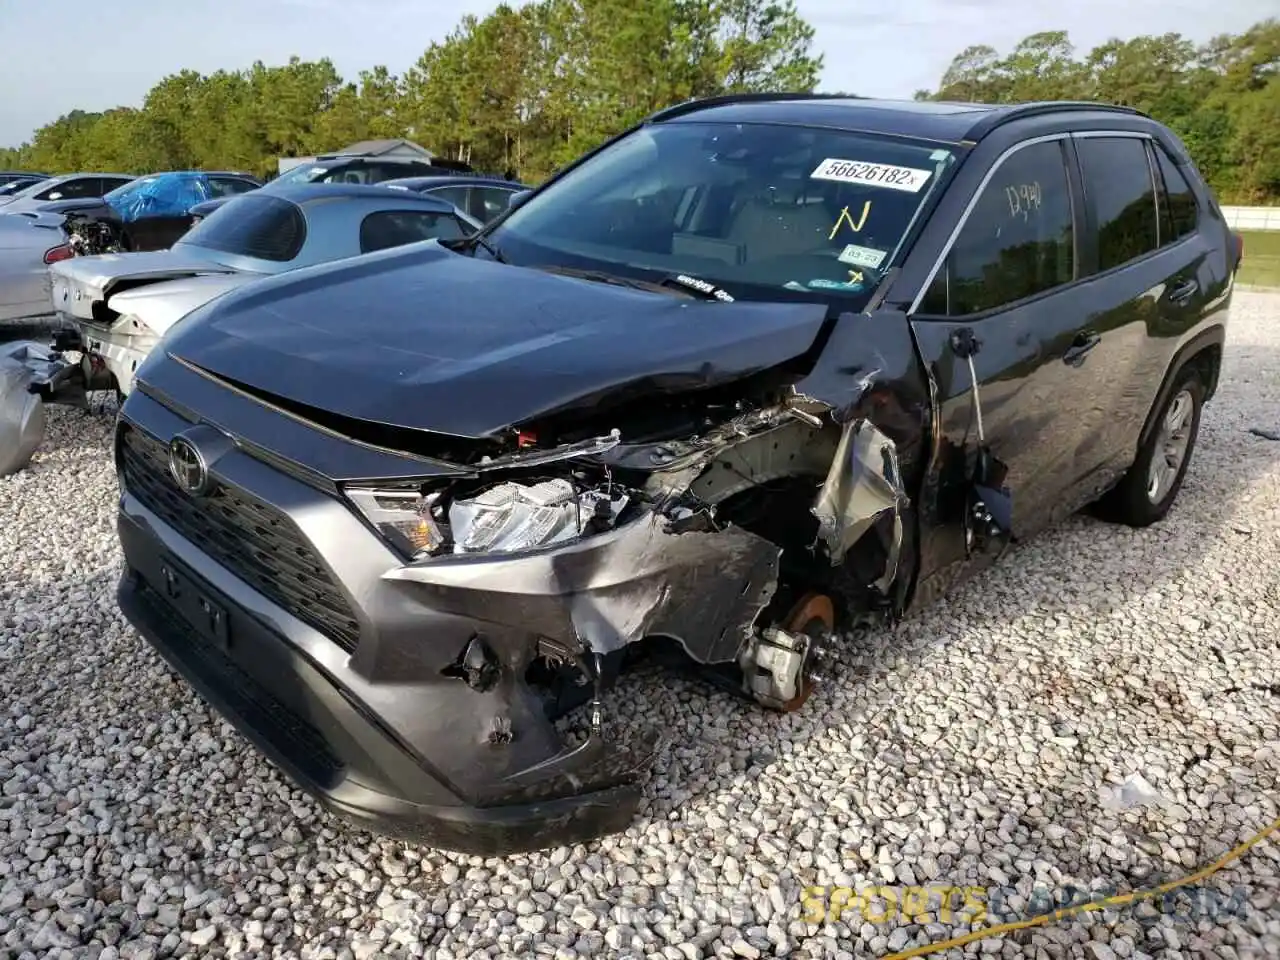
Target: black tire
1131,501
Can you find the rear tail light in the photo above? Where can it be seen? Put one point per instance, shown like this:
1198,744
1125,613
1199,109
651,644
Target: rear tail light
62,251
1239,249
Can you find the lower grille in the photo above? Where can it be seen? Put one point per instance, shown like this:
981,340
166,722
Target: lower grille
255,542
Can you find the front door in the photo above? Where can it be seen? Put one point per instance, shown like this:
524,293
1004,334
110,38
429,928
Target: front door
1008,282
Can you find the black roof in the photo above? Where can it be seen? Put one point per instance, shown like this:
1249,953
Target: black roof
447,180
924,119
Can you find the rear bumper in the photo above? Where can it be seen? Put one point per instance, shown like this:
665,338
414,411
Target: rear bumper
335,746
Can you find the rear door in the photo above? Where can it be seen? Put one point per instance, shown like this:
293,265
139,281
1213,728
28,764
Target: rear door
1009,279
1149,284
1120,210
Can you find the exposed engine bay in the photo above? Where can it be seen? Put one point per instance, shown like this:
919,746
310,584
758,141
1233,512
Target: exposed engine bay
743,544
90,236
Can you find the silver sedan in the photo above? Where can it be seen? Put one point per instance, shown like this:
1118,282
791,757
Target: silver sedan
28,244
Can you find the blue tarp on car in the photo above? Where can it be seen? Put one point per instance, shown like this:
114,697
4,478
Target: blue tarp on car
163,195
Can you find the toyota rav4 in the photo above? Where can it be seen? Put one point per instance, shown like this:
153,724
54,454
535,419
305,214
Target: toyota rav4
757,368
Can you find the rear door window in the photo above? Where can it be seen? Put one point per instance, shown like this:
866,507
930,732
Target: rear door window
107,184
1119,188
488,202
254,225
458,196
1019,240
394,228
229,186
72,190
1178,211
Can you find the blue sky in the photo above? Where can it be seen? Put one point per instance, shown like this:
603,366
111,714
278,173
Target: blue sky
94,55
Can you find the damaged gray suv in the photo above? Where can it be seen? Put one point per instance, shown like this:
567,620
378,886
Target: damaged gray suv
759,367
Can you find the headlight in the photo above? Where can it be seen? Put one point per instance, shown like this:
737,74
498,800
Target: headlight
402,516
513,516
504,518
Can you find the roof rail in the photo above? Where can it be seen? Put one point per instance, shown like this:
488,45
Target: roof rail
1019,111
706,103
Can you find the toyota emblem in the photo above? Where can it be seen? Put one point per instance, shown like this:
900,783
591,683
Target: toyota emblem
187,466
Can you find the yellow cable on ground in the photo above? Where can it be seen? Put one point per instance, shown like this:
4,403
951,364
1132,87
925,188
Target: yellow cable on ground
1120,900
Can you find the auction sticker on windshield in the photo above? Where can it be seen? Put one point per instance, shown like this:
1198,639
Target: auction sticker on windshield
862,256
888,175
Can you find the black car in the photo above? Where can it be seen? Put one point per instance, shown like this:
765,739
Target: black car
757,367
478,196
149,212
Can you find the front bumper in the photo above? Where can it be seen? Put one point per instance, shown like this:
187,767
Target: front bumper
339,662
305,722
342,663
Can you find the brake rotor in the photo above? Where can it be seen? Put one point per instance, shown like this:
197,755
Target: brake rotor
814,616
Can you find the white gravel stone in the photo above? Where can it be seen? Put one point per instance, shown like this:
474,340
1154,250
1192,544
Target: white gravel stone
971,746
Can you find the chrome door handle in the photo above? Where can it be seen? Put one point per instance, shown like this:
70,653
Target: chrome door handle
1080,347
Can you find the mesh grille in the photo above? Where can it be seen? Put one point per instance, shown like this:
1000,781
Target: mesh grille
255,542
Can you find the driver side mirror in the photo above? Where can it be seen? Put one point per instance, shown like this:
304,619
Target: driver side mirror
517,198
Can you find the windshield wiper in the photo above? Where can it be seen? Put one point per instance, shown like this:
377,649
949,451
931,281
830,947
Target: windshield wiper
490,248
473,241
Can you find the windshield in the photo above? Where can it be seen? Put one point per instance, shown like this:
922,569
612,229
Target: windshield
755,208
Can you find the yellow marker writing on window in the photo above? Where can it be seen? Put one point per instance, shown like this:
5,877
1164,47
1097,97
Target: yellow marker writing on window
855,276
846,218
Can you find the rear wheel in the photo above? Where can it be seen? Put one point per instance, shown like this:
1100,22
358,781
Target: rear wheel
1148,490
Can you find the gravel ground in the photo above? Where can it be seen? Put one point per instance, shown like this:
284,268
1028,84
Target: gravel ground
975,745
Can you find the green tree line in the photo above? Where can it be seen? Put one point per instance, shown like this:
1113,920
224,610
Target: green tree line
527,89
1222,97
523,89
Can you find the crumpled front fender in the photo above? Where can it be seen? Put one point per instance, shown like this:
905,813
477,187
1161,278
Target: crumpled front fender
22,414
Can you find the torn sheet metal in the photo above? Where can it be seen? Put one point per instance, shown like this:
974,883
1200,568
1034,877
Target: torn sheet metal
864,484
703,589
676,464
22,415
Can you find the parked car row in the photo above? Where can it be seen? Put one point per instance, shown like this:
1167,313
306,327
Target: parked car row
254,236
57,218
33,195
759,367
